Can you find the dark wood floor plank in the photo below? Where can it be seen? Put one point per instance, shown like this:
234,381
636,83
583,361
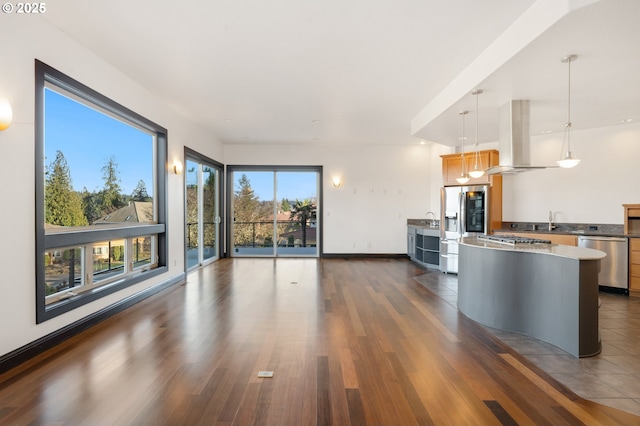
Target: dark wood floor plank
323,397
409,391
353,342
500,413
357,416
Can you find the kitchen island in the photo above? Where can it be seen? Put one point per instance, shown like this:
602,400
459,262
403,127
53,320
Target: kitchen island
546,291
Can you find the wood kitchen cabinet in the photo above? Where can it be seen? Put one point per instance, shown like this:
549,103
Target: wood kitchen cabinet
634,266
632,230
631,218
452,167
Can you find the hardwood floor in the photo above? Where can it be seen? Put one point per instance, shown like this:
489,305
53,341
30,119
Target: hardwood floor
350,342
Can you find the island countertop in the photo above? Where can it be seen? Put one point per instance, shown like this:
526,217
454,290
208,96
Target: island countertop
546,291
571,252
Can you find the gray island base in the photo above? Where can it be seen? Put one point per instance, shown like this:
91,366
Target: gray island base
545,291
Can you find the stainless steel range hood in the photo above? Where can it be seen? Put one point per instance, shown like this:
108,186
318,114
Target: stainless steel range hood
514,139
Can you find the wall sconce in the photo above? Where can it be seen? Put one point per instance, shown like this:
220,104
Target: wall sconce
6,114
336,181
177,167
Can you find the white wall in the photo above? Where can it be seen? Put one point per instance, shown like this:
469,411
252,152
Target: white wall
26,38
436,175
382,187
592,192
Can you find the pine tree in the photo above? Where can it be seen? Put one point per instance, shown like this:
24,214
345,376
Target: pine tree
209,189
246,204
248,212
111,193
63,206
91,205
140,193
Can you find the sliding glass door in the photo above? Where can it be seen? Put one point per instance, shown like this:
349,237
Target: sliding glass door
275,211
203,197
253,209
298,224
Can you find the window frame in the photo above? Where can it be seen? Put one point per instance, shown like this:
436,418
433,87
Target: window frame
46,76
203,160
229,177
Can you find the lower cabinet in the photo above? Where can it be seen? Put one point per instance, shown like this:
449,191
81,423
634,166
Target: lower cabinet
423,246
634,266
411,241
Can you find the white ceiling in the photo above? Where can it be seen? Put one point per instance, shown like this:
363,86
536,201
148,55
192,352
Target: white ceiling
367,71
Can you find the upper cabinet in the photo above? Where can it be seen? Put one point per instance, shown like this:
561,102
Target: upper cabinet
631,219
452,166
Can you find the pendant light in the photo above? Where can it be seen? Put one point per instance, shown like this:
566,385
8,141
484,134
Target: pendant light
567,161
478,170
464,177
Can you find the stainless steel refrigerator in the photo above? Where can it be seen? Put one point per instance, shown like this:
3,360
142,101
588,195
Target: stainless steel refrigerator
464,211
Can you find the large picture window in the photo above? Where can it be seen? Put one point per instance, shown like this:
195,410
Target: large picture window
100,195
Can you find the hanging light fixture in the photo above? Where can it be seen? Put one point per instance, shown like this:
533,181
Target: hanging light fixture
567,161
478,170
464,176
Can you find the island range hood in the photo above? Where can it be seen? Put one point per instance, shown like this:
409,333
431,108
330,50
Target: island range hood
514,140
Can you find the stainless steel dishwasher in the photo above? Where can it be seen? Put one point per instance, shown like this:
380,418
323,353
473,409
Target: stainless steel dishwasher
614,269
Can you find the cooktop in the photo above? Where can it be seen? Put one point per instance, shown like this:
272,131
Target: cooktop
512,239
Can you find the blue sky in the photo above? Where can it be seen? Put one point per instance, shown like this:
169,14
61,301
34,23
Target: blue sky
88,138
291,185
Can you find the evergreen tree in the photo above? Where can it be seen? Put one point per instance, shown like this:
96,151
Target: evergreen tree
63,206
91,205
140,193
285,206
246,204
192,215
209,189
112,198
248,213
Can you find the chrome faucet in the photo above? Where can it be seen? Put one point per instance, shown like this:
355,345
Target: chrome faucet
551,225
434,223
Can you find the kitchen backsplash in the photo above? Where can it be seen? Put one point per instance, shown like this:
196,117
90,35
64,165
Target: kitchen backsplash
565,228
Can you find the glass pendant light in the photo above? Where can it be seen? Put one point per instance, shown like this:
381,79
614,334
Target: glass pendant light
567,161
464,177
478,170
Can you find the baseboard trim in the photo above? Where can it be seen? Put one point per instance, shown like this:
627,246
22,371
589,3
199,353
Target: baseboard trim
30,350
365,256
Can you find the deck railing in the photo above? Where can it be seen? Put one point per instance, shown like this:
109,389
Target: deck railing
260,234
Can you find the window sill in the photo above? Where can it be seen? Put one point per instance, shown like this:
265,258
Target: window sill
82,298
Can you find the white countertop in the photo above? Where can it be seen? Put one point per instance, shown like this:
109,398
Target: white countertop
571,252
428,230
